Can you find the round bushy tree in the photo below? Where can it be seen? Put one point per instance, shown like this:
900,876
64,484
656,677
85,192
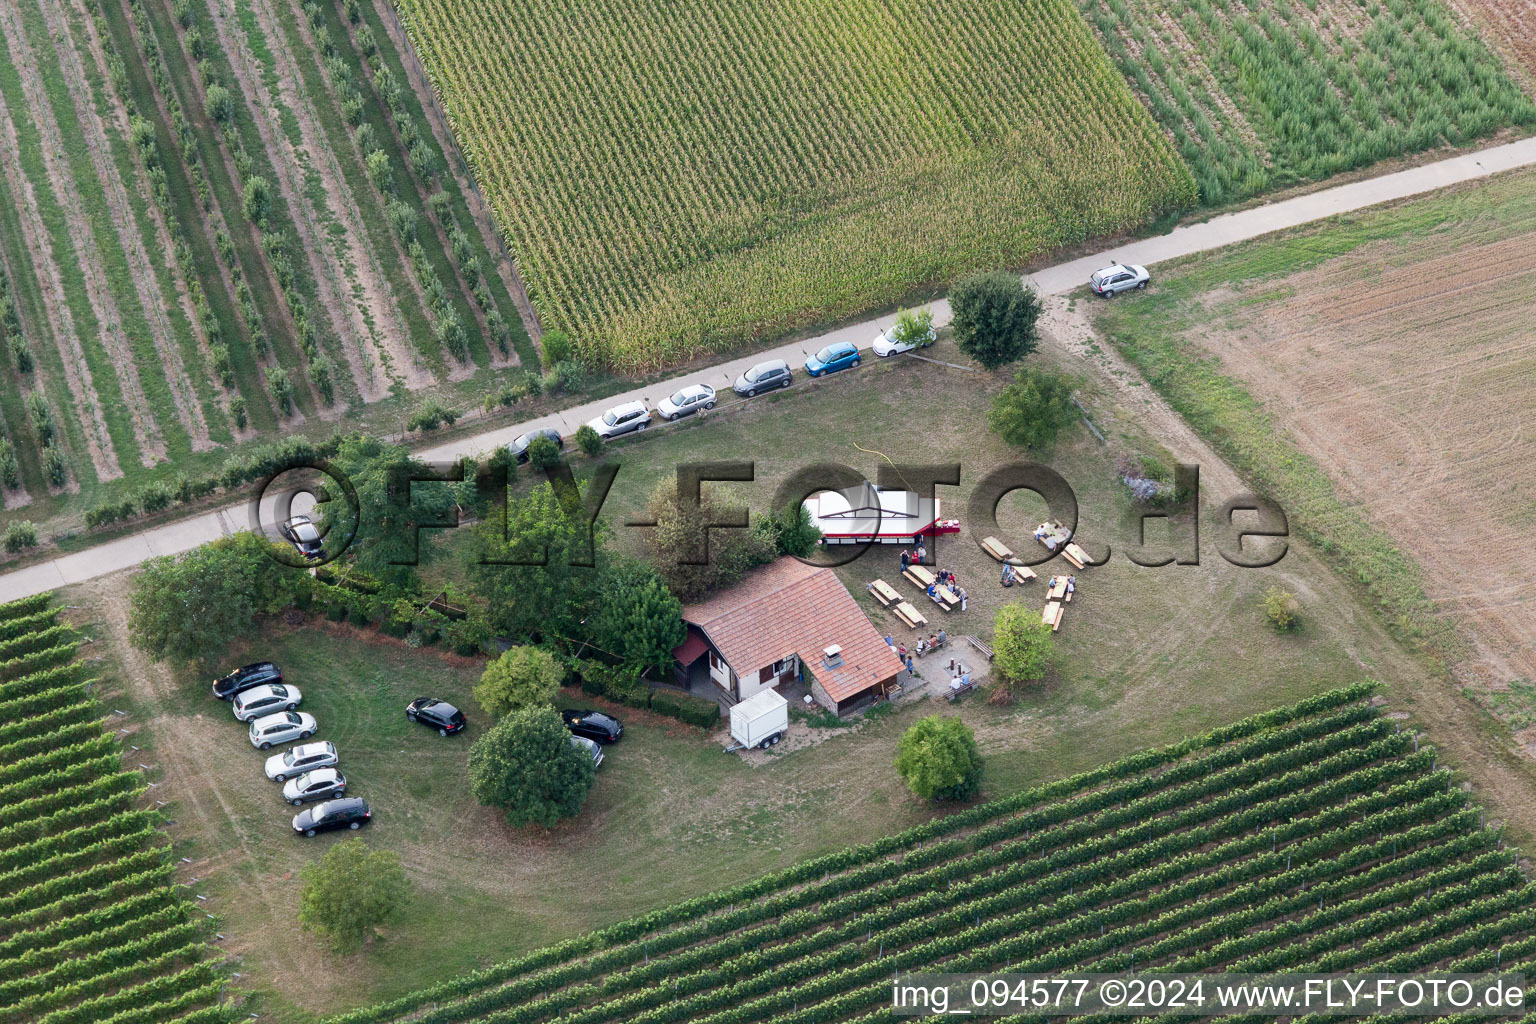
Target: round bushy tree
1023,647
588,440
1032,410
938,759
527,765
994,318
350,891
543,453
523,677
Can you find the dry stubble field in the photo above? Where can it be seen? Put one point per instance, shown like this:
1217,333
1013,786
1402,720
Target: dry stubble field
1396,348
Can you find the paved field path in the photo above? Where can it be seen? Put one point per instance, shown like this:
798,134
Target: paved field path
185,534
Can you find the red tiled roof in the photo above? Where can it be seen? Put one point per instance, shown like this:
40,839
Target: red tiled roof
689,650
788,607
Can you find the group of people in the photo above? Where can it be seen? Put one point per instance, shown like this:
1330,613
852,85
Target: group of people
917,556
1071,583
931,643
1010,575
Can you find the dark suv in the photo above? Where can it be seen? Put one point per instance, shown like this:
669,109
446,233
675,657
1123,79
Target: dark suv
242,679
348,812
594,725
438,714
520,445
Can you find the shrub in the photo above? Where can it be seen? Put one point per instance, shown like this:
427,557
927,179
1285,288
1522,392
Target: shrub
379,171
430,415
522,677
220,106
183,13
543,453
54,465
569,376
994,318
10,471
322,371
1282,609
256,201
350,891
556,347
40,416
237,410
469,636
938,759
1023,646
588,440
694,710
913,327
156,496
281,388
1032,410
21,354
20,535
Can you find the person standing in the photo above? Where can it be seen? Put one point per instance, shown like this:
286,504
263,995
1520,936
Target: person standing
961,592
906,559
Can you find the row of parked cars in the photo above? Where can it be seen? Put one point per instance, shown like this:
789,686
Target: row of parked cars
311,772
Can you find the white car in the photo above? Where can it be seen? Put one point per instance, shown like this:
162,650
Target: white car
317,784
621,419
1113,280
885,345
260,701
593,748
686,402
298,760
281,728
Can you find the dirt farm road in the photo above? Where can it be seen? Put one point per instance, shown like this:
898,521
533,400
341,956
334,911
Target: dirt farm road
1226,229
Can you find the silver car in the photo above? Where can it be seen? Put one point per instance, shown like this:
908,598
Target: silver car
621,419
260,701
316,784
1114,279
593,748
686,402
281,728
298,760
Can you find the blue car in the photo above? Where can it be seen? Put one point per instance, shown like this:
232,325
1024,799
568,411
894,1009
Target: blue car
834,357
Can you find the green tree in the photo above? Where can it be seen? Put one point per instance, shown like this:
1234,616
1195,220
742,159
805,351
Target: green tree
522,677
543,453
588,440
938,760
1032,410
527,765
640,622
913,327
1023,646
256,202
672,543
219,103
392,506
188,608
556,346
348,893
281,387
994,318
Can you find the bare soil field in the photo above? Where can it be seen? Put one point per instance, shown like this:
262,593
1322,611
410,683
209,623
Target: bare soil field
1403,365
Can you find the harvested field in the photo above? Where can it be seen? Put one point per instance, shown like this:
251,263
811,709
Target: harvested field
1396,350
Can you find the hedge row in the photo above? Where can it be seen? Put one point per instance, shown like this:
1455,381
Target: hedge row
25,606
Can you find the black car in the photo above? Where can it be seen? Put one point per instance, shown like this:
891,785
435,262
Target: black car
594,725
348,812
245,677
438,714
519,446
301,532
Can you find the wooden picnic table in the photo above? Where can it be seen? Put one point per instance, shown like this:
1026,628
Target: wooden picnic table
1058,589
1076,555
886,594
946,599
997,549
1052,615
921,575
910,615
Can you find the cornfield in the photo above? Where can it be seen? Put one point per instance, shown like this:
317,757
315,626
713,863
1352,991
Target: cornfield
1313,838
674,178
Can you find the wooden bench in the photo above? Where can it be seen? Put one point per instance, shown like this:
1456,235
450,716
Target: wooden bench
997,549
1076,555
946,599
1052,615
884,593
954,691
936,647
980,645
921,575
911,616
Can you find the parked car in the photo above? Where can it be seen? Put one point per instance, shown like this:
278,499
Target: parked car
885,345
301,532
593,748
1113,280
764,377
594,725
438,714
349,812
621,419
245,677
839,355
282,727
319,784
519,446
298,760
260,701
686,402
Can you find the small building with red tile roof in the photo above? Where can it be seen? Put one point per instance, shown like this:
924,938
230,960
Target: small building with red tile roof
787,621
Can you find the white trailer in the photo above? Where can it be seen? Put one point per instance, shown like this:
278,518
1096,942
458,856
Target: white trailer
759,721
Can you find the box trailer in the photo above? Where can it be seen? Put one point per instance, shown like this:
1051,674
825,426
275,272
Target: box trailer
759,721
